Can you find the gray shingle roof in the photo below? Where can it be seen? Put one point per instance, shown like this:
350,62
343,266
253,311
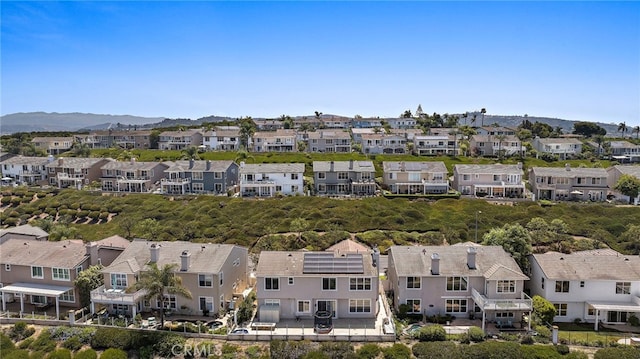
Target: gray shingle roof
130,165
490,169
63,254
416,261
205,258
343,166
598,265
75,162
435,166
569,172
629,170
548,141
272,168
26,229
282,264
183,166
26,160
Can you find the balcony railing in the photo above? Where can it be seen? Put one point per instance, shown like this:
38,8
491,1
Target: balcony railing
116,296
179,181
62,176
524,303
258,183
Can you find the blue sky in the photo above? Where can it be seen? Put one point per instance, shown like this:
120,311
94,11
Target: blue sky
572,60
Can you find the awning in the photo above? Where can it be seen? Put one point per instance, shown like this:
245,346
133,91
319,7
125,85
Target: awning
35,289
613,306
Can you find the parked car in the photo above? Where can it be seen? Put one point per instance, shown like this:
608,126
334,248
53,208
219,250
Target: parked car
240,331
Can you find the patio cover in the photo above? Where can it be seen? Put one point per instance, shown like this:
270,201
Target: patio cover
613,306
34,289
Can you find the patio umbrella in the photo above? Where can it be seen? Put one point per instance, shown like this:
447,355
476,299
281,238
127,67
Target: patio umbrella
576,192
7,179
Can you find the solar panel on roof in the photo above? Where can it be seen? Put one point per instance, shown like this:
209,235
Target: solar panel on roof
317,263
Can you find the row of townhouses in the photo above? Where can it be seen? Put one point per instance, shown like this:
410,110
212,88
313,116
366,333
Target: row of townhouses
489,141
354,178
348,280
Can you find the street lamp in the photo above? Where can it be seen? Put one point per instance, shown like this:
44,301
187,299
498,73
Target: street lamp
477,213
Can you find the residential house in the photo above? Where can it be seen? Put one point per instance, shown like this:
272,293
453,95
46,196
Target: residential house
275,141
27,170
462,280
357,133
435,145
593,286
223,138
127,139
23,232
408,133
329,141
335,122
496,180
179,140
495,131
268,125
53,145
622,151
344,178
367,122
415,177
579,184
299,284
40,274
613,175
215,274
132,176
496,145
105,251
562,147
184,177
378,143
401,122
308,122
75,172
269,179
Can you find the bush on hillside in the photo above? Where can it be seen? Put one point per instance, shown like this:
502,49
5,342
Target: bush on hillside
113,353
432,333
86,354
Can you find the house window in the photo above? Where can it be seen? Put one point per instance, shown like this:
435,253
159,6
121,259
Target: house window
217,187
206,303
581,284
359,283
562,286
217,175
466,177
414,306
205,280
456,306
221,276
359,305
322,175
343,175
272,284
274,302
38,299
118,280
290,280
504,315
329,283
623,287
37,272
197,187
294,176
60,274
413,283
542,282
304,306
591,311
457,284
322,187
7,267
561,309
506,286
196,176
68,296
78,270
170,302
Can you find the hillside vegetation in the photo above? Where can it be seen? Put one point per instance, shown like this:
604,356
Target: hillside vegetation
94,216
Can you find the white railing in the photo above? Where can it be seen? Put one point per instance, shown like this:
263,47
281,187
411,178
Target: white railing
62,175
175,180
102,295
524,303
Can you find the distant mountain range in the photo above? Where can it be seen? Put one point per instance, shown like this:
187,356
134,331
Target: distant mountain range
72,122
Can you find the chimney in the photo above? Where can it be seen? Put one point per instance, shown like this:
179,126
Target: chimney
50,158
519,165
567,167
133,160
331,167
60,161
92,253
185,261
155,253
191,163
435,264
375,258
471,257
350,164
208,165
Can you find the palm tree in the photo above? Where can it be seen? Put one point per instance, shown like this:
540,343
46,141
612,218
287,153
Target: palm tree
523,135
599,140
636,130
247,129
157,282
454,133
483,111
473,119
243,156
500,138
465,115
622,127
190,153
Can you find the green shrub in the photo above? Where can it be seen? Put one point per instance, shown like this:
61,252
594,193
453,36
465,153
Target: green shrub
6,343
368,351
60,354
72,344
432,333
623,352
113,353
437,350
16,354
539,352
397,351
576,355
476,334
43,342
26,343
86,354
491,349
337,349
20,331
5,200
562,349
105,338
164,347
527,340
282,349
